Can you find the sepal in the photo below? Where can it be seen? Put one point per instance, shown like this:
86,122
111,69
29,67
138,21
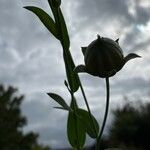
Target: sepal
80,69
130,56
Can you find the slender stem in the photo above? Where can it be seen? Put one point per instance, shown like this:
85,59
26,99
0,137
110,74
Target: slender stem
87,105
75,119
105,115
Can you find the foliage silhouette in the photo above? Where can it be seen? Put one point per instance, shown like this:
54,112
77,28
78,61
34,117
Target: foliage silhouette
12,122
130,129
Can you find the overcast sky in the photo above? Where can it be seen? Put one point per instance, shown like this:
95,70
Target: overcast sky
31,58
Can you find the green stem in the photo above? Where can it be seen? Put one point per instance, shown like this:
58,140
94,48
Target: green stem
87,105
75,118
105,115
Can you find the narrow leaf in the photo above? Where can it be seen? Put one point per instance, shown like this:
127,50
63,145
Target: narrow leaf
83,50
59,100
66,83
56,3
61,108
72,76
86,120
61,25
45,19
54,10
65,36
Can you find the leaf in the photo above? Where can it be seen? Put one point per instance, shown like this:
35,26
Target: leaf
66,84
45,19
56,3
72,131
83,50
54,10
55,13
80,68
65,36
59,100
61,108
75,130
86,120
72,76
130,56
61,25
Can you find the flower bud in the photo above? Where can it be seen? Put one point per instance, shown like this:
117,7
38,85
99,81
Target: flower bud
103,58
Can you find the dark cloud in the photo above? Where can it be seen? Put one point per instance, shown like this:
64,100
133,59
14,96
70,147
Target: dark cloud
109,10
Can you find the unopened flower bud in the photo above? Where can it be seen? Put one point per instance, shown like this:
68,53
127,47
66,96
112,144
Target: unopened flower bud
103,58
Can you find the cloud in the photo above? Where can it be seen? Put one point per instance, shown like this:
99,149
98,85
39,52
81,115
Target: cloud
43,120
110,10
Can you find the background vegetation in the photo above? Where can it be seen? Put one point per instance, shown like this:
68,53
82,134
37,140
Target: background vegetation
12,122
129,130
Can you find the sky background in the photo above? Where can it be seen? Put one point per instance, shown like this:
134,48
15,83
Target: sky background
31,58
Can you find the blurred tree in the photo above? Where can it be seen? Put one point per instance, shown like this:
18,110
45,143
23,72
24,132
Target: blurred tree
131,127
12,123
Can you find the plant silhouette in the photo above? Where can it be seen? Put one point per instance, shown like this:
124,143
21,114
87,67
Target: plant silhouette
103,58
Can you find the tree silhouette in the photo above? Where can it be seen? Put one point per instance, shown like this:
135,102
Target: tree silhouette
131,127
12,123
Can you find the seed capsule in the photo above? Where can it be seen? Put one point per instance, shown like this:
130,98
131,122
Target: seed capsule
103,58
